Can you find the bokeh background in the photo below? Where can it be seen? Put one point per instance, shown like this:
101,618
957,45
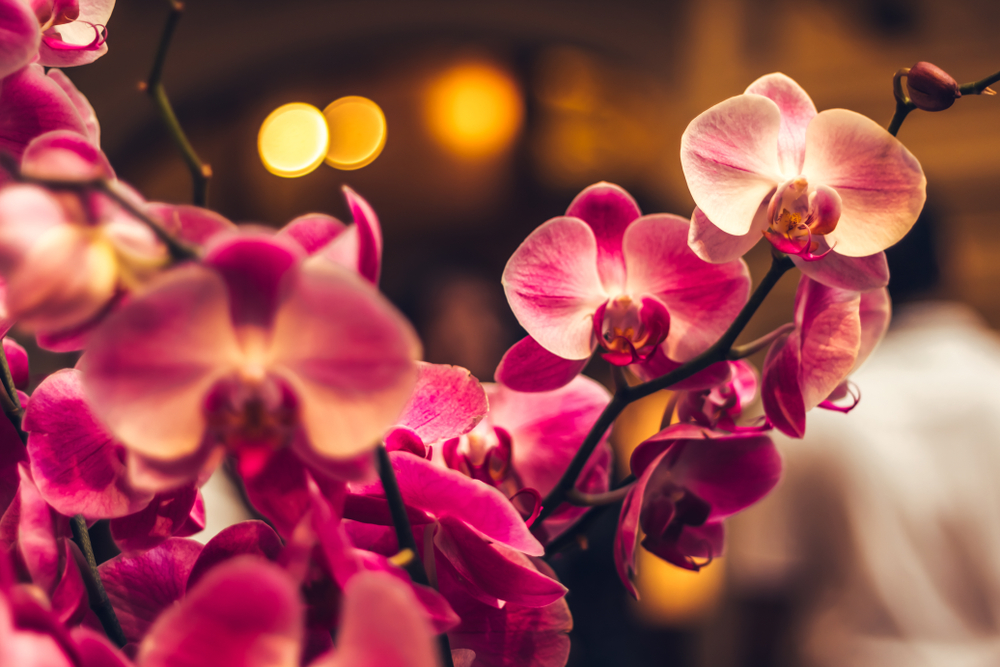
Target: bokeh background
498,113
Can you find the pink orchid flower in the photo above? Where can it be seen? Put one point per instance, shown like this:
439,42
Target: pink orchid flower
833,190
56,33
835,331
718,407
526,442
689,480
604,275
253,352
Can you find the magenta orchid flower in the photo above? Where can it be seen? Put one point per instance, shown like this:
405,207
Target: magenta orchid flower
56,33
231,356
606,276
527,440
833,190
688,480
835,331
718,407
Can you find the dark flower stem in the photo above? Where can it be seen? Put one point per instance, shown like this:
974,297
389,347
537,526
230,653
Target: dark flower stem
99,601
11,403
904,106
624,395
200,172
404,535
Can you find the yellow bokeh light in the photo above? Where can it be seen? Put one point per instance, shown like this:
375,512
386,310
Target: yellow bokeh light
670,595
293,140
474,110
357,132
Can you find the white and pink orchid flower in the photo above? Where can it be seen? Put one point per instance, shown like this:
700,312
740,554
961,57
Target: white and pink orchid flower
835,331
55,33
253,352
833,190
605,276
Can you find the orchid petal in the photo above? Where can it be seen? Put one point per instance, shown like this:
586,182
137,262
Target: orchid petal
352,391
875,312
244,613
95,650
28,648
312,231
797,110
529,367
702,298
369,233
608,209
279,492
36,534
695,542
830,327
714,245
553,286
161,475
244,538
859,274
144,584
192,224
17,362
65,155
501,573
780,390
12,452
166,516
150,365
33,104
77,34
19,36
880,183
81,103
628,534
447,401
74,460
730,159
69,598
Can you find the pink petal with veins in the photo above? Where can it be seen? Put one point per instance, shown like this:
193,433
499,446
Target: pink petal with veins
75,461
780,391
33,104
875,312
714,245
352,392
797,110
149,366
369,236
312,231
447,401
830,334
859,274
37,533
142,585
609,210
730,159
244,613
65,155
192,224
702,298
881,185
529,367
169,514
553,286
244,538
81,103
61,46
19,36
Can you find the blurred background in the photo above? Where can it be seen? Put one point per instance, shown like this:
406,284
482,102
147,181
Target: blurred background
498,113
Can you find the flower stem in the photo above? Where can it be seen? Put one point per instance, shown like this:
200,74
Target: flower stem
99,601
200,172
626,395
581,499
904,106
11,403
404,534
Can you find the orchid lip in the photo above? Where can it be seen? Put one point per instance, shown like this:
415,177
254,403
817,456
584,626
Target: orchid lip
630,329
100,37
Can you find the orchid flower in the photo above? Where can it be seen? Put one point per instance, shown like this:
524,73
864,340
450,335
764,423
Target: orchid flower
718,407
527,440
230,356
833,190
689,480
56,33
835,331
605,276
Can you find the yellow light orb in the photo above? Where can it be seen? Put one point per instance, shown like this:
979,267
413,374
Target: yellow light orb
474,109
293,140
357,132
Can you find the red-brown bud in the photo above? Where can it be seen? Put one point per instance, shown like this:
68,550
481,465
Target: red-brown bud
930,87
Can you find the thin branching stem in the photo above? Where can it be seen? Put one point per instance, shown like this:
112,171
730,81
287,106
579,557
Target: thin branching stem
200,172
904,105
99,601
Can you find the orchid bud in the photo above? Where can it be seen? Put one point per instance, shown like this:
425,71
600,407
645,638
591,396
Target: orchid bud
931,88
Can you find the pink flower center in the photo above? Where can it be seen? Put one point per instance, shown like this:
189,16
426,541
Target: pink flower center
797,213
483,454
630,330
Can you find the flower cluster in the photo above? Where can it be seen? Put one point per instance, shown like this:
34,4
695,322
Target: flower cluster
391,487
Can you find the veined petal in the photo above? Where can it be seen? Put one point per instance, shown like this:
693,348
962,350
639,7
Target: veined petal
144,584
74,460
33,104
553,286
19,36
880,183
875,312
244,613
81,103
702,298
830,327
150,365
354,369
189,223
780,391
65,154
609,210
81,32
859,274
446,402
797,110
529,367
167,515
714,245
369,236
730,159
36,534
312,231
243,538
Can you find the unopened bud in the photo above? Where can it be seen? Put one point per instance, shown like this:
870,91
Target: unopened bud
931,88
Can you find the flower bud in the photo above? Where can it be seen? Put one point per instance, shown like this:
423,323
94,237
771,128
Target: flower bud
931,88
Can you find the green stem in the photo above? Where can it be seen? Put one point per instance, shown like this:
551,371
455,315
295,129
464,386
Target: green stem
200,172
903,110
99,601
904,105
11,403
977,87
404,534
626,395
